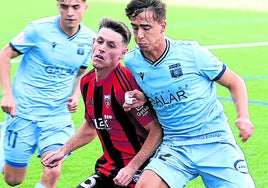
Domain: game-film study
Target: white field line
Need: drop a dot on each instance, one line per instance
(242, 45)
(250, 5)
(220, 46)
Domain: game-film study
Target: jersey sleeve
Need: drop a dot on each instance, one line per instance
(208, 64)
(25, 40)
(143, 114)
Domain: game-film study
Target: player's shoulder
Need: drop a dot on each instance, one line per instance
(182, 42)
(86, 30)
(184, 45)
(131, 53)
(123, 69)
(45, 20)
(90, 75)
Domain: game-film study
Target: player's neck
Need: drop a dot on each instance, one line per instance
(103, 73)
(69, 31)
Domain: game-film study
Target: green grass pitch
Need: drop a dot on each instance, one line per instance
(208, 26)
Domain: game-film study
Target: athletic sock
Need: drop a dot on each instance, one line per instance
(39, 185)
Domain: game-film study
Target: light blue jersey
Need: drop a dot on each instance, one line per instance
(181, 88)
(48, 68)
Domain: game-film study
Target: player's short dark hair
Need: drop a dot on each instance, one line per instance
(117, 26)
(135, 7)
(82, 0)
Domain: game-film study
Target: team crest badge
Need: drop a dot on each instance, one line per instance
(175, 70)
(107, 101)
(81, 49)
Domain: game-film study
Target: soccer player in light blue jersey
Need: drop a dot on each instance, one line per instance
(179, 78)
(56, 52)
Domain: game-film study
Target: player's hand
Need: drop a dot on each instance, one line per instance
(124, 176)
(138, 99)
(52, 159)
(8, 105)
(246, 128)
(72, 105)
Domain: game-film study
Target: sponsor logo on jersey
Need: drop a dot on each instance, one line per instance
(90, 101)
(59, 72)
(141, 75)
(241, 166)
(101, 124)
(142, 110)
(54, 44)
(168, 98)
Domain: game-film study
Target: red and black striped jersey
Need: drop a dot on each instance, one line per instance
(121, 133)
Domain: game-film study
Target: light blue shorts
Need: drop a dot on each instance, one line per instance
(220, 165)
(23, 137)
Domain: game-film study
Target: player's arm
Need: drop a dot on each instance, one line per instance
(151, 143)
(73, 101)
(8, 104)
(85, 134)
(237, 88)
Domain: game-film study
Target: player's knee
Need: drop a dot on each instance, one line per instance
(51, 174)
(13, 176)
(13, 181)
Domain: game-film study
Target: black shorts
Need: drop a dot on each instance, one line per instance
(99, 181)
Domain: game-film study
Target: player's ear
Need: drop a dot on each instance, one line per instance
(163, 25)
(124, 51)
(86, 6)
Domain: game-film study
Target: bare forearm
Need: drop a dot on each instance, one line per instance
(240, 98)
(76, 87)
(151, 143)
(84, 135)
(5, 74)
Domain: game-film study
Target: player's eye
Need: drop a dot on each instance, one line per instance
(146, 28)
(134, 27)
(76, 7)
(111, 45)
(99, 41)
(63, 6)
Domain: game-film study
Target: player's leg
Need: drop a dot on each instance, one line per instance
(19, 146)
(14, 175)
(54, 133)
(157, 182)
(223, 165)
(2, 158)
(50, 175)
(169, 167)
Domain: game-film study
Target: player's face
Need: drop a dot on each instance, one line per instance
(72, 12)
(108, 49)
(147, 31)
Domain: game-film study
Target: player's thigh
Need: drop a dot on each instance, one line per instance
(20, 142)
(225, 166)
(54, 133)
(154, 180)
(173, 165)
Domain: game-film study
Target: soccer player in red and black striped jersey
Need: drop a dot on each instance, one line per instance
(128, 138)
